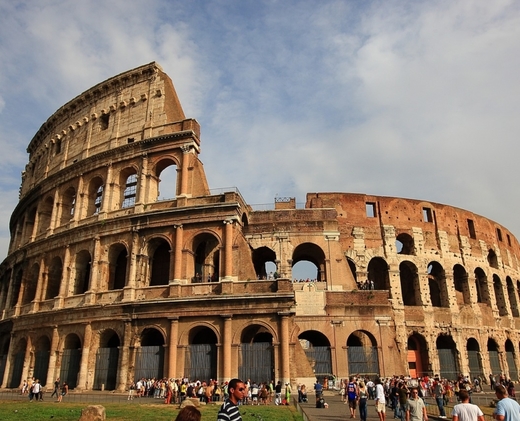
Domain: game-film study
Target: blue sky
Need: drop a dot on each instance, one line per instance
(414, 99)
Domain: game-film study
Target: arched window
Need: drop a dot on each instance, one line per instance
(95, 196)
(130, 191)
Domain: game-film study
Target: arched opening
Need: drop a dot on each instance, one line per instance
(42, 353)
(45, 214)
(5, 280)
(317, 350)
(54, 278)
(261, 256)
(107, 358)
(5, 340)
(83, 267)
(460, 281)
(201, 358)
(437, 285)
(128, 181)
(70, 360)
(159, 262)
(17, 284)
(492, 259)
(256, 354)
(499, 296)
(31, 284)
(448, 357)
(149, 360)
(511, 293)
(352, 267)
(405, 244)
(362, 354)
(312, 253)
(207, 258)
(511, 361)
(378, 277)
(305, 271)
(474, 358)
(68, 205)
(29, 225)
(95, 196)
(166, 172)
(417, 356)
(482, 287)
(117, 258)
(410, 288)
(18, 357)
(494, 359)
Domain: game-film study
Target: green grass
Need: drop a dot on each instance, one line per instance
(38, 411)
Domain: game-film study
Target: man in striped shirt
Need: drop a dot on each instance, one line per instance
(229, 409)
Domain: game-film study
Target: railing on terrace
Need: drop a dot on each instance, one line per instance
(270, 206)
(212, 192)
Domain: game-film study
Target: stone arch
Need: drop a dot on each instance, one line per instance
(42, 353)
(474, 358)
(117, 266)
(460, 281)
(31, 284)
(317, 349)
(159, 252)
(206, 247)
(201, 356)
(17, 363)
(28, 226)
(448, 357)
(45, 214)
(410, 286)
(378, 276)
(437, 285)
(17, 284)
(511, 360)
(149, 360)
(83, 268)
(70, 360)
(261, 256)
(312, 253)
(513, 300)
(256, 356)
(492, 259)
(244, 219)
(129, 183)
(68, 205)
(362, 354)
(481, 283)
(95, 193)
(55, 273)
(107, 359)
(417, 356)
(352, 267)
(493, 354)
(405, 244)
(499, 295)
(163, 188)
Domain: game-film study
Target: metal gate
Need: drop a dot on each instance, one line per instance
(16, 372)
(513, 371)
(448, 364)
(41, 366)
(106, 368)
(202, 362)
(256, 362)
(362, 360)
(494, 362)
(149, 362)
(320, 360)
(475, 365)
(70, 361)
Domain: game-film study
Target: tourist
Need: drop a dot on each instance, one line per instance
(507, 409)
(438, 393)
(36, 391)
(363, 398)
(466, 411)
(56, 390)
(352, 396)
(380, 400)
(189, 413)
(287, 393)
(415, 408)
(278, 393)
(229, 409)
(64, 391)
(402, 399)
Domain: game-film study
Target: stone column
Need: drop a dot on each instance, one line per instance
(177, 259)
(228, 249)
(8, 358)
(90, 297)
(83, 367)
(284, 347)
(184, 170)
(51, 371)
(142, 183)
(172, 347)
(29, 355)
(124, 358)
(65, 279)
(10, 290)
(79, 205)
(226, 347)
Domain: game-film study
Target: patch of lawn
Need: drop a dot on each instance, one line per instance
(39, 411)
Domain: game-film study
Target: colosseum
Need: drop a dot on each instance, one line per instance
(106, 280)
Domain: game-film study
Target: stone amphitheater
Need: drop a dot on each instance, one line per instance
(107, 281)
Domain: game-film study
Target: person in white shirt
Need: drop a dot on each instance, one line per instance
(380, 400)
(466, 411)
